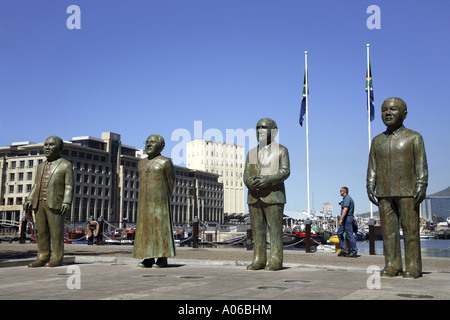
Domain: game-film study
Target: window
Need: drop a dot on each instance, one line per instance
(30, 163)
(29, 175)
(12, 176)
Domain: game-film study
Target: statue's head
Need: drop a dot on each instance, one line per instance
(52, 147)
(393, 112)
(154, 145)
(266, 130)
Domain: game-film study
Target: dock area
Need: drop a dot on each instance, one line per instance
(110, 273)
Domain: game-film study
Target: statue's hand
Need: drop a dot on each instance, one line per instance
(372, 196)
(251, 182)
(65, 208)
(419, 196)
(262, 182)
(27, 206)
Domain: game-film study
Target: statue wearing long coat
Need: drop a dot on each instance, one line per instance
(154, 233)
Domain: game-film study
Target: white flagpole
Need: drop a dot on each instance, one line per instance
(307, 132)
(368, 112)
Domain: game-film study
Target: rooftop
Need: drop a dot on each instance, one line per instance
(441, 194)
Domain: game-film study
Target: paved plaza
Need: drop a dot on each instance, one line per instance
(109, 273)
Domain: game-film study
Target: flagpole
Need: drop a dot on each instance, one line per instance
(307, 132)
(368, 112)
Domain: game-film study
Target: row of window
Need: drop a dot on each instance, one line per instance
(212, 162)
(13, 164)
(20, 188)
(20, 176)
(211, 153)
(83, 155)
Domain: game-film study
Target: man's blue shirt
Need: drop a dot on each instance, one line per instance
(348, 202)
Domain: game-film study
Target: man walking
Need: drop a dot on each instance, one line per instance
(346, 224)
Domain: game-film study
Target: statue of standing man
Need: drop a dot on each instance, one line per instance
(154, 233)
(51, 198)
(266, 168)
(397, 179)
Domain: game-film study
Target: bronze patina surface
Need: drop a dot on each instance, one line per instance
(51, 199)
(397, 179)
(266, 168)
(154, 233)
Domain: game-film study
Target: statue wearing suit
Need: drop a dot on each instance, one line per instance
(397, 179)
(51, 198)
(266, 168)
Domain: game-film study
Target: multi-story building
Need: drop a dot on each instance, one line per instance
(436, 206)
(327, 208)
(106, 182)
(226, 160)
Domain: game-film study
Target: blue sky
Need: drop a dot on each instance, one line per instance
(141, 67)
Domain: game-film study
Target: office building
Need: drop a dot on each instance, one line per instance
(106, 182)
(225, 160)
(436, 206)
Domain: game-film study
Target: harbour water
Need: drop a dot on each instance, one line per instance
(429, 248)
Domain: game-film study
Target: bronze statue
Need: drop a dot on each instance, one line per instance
(397, 179)
(266, 168)
(154, 233)
(51, 198)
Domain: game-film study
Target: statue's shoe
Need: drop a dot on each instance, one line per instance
(36, 264)
(256, 266)
(53, 263)
(390, 272)
(273, 266)
(160, 263)
(412, 274)
(146, 263)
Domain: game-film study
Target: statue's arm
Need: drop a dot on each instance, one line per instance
(168, 167)
(68, 188)
(371, 176)
(248, 178)
(421, 170)
(27, 205)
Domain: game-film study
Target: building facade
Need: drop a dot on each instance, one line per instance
(436, 207)
(225, 160)
(327, 208)
(106, 182)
